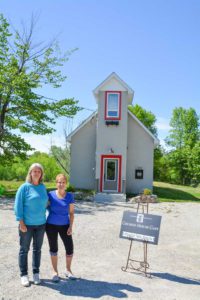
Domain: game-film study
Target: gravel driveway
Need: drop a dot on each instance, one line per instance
(100, 254)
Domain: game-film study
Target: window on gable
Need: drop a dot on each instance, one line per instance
(113, 105)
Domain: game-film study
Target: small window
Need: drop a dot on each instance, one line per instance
(113, 106)
(111, 170)
(139, 174)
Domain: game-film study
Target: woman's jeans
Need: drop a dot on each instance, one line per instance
(35, 232)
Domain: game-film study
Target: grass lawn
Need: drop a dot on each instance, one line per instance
(12, 186)
(167, 192)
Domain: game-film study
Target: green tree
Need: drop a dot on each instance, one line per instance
(158, 155)
(177, 160)
(18, 169)
(51, 168)
(184, 138)
(62, 157)
(191, 128)
(24, 68)
(184, 128)
(146, 117)
(194, 163)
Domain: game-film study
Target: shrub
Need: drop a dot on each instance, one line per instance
(2, 189)
(71, 188)
(147, 192)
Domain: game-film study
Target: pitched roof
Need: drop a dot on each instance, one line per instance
(68, 139)
(113, 75)
(156, 141)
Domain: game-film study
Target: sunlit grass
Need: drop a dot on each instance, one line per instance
(166, 192)
(12, 186)
(176, 193)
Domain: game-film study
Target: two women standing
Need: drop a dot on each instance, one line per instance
(30, 209)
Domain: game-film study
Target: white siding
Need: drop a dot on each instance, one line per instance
(111, 136)
(139, 154)
(83, 148)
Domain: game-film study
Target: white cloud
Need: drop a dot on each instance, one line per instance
(162, 143)
(163, 123)
(43, 143)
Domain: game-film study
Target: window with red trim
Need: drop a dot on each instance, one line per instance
(113, 106)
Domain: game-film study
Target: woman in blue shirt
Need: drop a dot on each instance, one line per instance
(30, 210)
(60, 221)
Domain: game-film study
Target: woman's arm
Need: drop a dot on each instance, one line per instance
(19, 209)
(71, 218)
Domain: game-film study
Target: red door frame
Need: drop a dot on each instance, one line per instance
(119, 157)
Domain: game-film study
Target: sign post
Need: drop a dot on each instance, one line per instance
(143, 228)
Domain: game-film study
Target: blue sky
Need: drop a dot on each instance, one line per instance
(154, 46)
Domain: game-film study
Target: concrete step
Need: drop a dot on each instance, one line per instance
(108, 197)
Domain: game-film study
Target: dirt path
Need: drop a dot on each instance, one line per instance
(100, 254)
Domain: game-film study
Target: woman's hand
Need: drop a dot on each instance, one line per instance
(22, 227)
(69, 231)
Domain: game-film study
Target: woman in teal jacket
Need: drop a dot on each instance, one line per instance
(30, 210)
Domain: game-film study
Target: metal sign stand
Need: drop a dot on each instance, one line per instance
(143, 265)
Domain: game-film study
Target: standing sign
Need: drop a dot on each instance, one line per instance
(140, 227)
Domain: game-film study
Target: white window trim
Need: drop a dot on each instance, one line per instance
(112, 93)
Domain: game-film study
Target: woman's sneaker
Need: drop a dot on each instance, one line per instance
(69, 275)
(36, 278)
(25, 280)
(55, 278)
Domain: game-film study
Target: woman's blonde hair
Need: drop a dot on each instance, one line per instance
(35, 165)
(61, 176)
